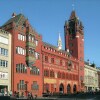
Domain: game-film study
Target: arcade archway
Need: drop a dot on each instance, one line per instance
(68, 88)
(74, 88)
(61, 88)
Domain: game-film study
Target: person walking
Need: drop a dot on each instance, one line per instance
(10, 93)
(5, 93)
(31, 95)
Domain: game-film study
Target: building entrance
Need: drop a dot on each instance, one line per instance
(74, 89)
(68, 88)
(61, 88)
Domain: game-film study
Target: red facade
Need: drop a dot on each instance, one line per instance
(60, 70)
(64, 70)
(39, 67)
(74, 42)
(26, 54)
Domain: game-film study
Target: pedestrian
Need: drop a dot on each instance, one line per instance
(10, 93)
(31, 95)
(17, 94)
(22, 94)
(5, 93)
(28, 95)
(35, 96)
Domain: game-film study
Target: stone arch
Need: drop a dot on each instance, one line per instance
(61, 88)
(68, 88)
(74, 88)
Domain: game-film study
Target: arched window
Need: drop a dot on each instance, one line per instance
(51, 73)
(59, 75)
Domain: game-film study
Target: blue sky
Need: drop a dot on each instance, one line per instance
(48, 17)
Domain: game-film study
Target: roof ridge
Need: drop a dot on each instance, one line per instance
(13, 19)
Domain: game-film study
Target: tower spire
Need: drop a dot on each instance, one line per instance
(73, 5)
(59, 42)
(73, 13)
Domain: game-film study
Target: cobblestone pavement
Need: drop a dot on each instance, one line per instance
(74, 99)
(93, 98)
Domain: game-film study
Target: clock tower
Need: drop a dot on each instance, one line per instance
(74, 43)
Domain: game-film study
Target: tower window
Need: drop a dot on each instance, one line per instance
(72, 27)
(70, 38)
(71, 44)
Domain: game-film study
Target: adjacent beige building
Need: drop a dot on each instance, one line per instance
(98, 69)
(90, 77)
(5, 60)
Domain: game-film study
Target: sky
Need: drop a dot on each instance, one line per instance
(47, 17)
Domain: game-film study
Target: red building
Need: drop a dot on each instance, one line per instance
(26, 56)
(41, 67)
(64, 70)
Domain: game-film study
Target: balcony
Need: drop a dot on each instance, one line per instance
(30, 58)
(31, 44)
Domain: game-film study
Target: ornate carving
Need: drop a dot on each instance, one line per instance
(69, 65)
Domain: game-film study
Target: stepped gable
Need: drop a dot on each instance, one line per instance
(20, 20)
